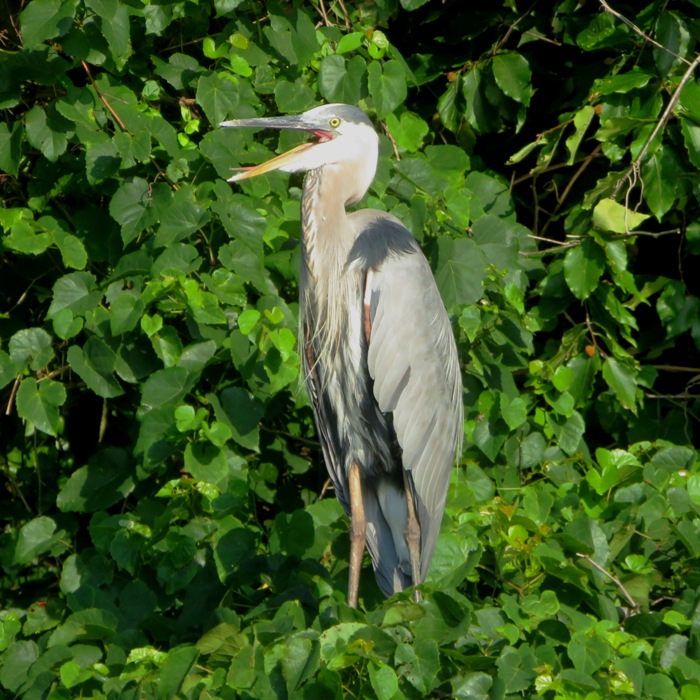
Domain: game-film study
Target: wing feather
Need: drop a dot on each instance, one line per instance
(413, 361)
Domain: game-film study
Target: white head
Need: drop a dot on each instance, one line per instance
(345, 139)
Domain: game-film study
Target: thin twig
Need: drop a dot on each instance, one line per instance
(510, 31)
(103, 421)
(685, 396)
(675, 368)
(546, 240)
(11, 400)
(637, 30)
(594, 340)
(536, 173)
(634, 167)
(535, 204)
(345, 14)
(648, 234)
(393, 141)
(323, 13)
(614, 579)
(560, 200)
(103, 98)
(541, 37)
(15, 486)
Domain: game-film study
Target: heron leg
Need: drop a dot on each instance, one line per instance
(357, 532)
(412, 537)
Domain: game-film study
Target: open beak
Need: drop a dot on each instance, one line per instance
(297, 122)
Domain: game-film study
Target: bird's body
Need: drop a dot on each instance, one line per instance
(380, 359)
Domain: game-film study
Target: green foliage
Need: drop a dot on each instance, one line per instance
(166, 531)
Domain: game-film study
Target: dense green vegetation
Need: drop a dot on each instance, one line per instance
(166, 533)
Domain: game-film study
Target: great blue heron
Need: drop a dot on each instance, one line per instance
(380, 358)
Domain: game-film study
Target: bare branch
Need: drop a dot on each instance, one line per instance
(637, 30)
(561, 199)
(633, 170)
(105, 102)
(614, 579)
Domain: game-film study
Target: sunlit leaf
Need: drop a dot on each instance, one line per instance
(38, 403)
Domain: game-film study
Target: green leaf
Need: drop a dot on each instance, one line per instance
(65, 325)
(174, 670)
(167, 345)
(72, 249)
(181, 218)
(17, 661)
(479, 112)
(623, 381)
(659, 172)
(293, 98)
(242, 413)
(411, 5)
(387, 86)
(304, 39)
(125, 312)
(45, 19)
(102, 160)
(513, 76)
(489, 436)
(114, 24)
(131, 206)
(342, 81)
(691, 137)
(72, 674)
(299, 662)
(217, 96)
(10, 145)
(34, 538)
(608, 215)
(582, 121)
(461, 271)
(30, 347)
(673, 36)
(248, 320)
(514, 412)
(421, 672)
(165, 386)
(622, 82)
(95, 363)
(408, 131)
(350, 42)
(233, 543)
(447, 106)
(38, 403)
(104, 481)
(587, 653)
(24, 239)
(47, 133)
(8, 369)
(384, 680)
(206, 462)
(583, 267)
(568, 430)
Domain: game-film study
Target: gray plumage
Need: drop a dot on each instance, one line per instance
(380, 358)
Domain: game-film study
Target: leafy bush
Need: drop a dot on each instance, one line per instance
(166, 527)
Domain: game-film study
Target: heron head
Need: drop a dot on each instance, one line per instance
(344, 138)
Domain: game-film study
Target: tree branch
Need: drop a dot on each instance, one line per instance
(614, 579)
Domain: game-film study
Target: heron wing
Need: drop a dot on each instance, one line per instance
(412, 358)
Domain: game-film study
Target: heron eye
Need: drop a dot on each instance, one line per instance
(334, 121)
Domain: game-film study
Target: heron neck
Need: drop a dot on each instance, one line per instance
(326, 234)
